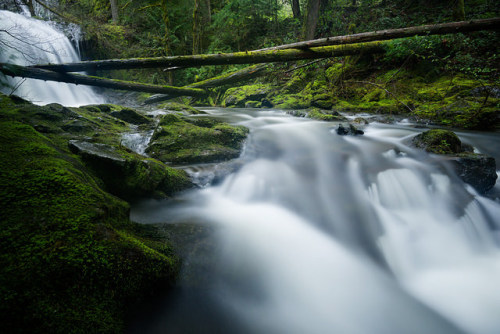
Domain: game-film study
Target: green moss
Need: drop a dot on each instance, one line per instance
(175, 106)
(187, 140)
(438, 141)
(70, 259)
(324, 115)
(295, 101)
(237, 96)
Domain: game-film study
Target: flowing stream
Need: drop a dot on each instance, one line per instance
(28, 41)
(308, 231)
(321, 233)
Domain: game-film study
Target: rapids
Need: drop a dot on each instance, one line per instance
(28, 41)
(321, 233)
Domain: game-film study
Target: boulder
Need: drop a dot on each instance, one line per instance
(350, 131)
(130, 116)
(478, 170)
(128, 175)
(184, 140)
(438, 141)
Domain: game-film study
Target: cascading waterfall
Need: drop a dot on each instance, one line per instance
(320, 233)
(28, 41)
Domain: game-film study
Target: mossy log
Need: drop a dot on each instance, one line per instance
(79, 79)
(246, 57)
(224, 79)
(381, 35)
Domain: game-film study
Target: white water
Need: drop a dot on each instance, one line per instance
(319, 233)
(28, 41)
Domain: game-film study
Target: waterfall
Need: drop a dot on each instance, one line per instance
(28, 41)
(321, 233)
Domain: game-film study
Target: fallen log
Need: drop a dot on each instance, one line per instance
(225, 79)
(381, 35)
(247, 57)
(79, 79)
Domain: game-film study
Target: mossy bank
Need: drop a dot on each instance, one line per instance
(70, 259)
(365, 84)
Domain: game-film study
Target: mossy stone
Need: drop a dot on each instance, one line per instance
(438, 141)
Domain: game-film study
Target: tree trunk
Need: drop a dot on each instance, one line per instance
(296, 9)
(196, 27)
(114, 10)
(247, 57)
(35, 73)
(311, 19)
(431, 29)
(458, 10)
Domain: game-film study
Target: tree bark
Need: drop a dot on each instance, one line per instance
(296, 9)
(196, 27)
(431, 29)
(114, 10)
(35, 73)
(311, 19)
(248, 57)
(458, 10)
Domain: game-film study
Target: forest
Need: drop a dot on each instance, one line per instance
(249, 166)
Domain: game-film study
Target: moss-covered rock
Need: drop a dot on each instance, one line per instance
(130, 116)
(129, 175)
(478, 170)
(70, 260)
(238, 96)
(438, 141)
(183, 108)
(184, 140)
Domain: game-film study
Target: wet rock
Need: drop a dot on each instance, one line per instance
(183, 140)
(478, 170)
(130, 116)
(77, 126)
(128, 175)
(361, 121)
(438, 141)
(349, 131)
(491, 91)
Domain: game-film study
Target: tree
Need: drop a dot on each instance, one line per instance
(296, 9)
(196, 27)
(311, 19)
(114, 10)
(458, 10)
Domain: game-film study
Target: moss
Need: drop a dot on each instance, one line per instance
(185, 109)
(375, 95)
(181, 140)
(70, 259)
(325, 115)
(238, 96)
(295, 101)
(438, 141)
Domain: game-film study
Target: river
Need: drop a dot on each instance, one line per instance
(319, 233)
(309, 231)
